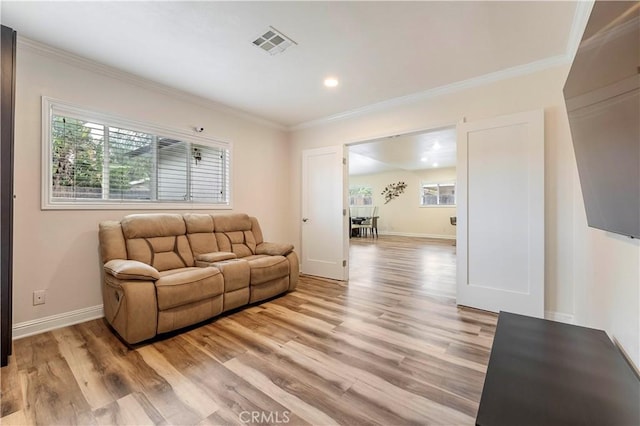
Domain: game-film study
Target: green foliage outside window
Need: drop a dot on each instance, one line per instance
(360, 195)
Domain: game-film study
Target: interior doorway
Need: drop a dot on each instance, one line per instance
(409, 181)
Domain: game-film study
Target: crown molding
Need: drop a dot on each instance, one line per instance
(482, 80)
(600, 38)
(108, 71)
(580, 19)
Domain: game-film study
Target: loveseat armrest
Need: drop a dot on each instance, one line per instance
(216, 256)
(274, 249)
(131, 270)
(131, 307)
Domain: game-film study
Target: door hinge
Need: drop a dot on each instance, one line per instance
(344, 263)
(344, 212)
(344, 160)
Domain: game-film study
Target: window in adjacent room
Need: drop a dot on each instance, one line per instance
(98, 161)
(438, 194)
(360, 195)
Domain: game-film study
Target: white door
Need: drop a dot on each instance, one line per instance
(324, 220)
(500, 229)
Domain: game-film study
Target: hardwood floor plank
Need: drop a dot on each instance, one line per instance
(218, 346)
(257, 378)
(35, 350)
(127, 411)
(16, 418)
(462, 381)
(189, 393)
(381, 374)
(390, 347)
(10, 395)
(410, 406)
(232, 393)
(52, 395)
(221, 417)
(92, 385)
(410, 343)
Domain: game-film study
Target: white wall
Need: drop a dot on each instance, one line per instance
(607, 282)
(582, 266)
(404, 215)
(58, 250)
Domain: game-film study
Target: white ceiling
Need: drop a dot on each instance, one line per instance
(414, 151)
(378, 50)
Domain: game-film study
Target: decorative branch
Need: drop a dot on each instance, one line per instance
(393, 190)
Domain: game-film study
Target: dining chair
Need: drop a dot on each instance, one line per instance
(367, 221)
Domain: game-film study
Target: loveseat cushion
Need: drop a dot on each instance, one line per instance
(158, 240)
(234, 233)
(232, 222)
(163, 253)
(200, 233)
(131, 270)
(267, 268)
(153, 225)
(179, 287)
(241, 243)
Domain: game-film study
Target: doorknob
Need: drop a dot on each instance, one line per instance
(305, 219)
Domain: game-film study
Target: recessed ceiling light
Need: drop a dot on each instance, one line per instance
(424, 159)
(436, 145)
(331, 82)
(435, 164)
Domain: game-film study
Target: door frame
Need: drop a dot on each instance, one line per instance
(431, 128)
(8, 83)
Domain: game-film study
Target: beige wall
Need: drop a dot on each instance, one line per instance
(590, 277)
(58, 250)
(403, 215)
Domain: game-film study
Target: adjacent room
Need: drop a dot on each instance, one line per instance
(320, 213)
(402, 194)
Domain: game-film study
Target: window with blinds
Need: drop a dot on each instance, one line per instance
(438, 194)
(101, 162)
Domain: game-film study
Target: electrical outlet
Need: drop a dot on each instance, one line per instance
(39, 297)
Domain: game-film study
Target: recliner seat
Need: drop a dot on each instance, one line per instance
(164, 271)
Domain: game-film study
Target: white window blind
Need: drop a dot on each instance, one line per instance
(97, 161)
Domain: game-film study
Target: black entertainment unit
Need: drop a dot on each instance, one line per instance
(543, 372)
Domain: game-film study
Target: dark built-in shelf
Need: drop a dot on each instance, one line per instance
(548, 373)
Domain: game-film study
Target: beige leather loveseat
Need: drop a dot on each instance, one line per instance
(163, 271)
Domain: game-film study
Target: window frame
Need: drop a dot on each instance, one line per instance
(360, 186)
(51, 106)
(438, 184)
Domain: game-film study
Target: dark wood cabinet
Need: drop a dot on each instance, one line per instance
(7, 108)
(548, 373)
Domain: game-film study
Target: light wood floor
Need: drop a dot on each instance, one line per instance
(387, 348)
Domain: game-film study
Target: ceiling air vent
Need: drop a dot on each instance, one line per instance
(273, 41)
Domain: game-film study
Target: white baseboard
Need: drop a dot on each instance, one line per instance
(559, 316)
(40, 325)
(411, 234)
